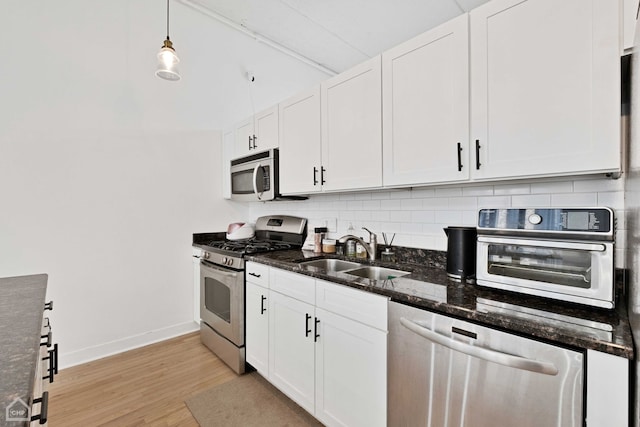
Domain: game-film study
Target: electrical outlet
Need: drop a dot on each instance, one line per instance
(331, 224)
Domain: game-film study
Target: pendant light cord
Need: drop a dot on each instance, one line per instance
(167, 19)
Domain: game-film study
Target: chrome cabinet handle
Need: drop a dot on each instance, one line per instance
(315, 176)
(546, 368)
(255, 138)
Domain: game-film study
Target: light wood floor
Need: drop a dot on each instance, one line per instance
(141, 387)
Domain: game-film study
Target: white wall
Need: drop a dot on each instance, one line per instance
(106, 170)
(418, 215)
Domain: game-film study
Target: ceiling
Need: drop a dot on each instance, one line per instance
(336, 34)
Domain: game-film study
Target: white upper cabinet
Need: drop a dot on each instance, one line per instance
(630, 16)
(425, 83)
(351, 128)
(545, 88)
(228, 139)
(257, 133)
(300, 151)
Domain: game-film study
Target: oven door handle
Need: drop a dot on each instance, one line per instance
(592, 247)
(218, 270)
(540, 367)
(256, 190)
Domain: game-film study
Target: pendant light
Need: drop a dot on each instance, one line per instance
(167, 58)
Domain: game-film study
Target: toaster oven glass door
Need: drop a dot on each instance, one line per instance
(566, 270)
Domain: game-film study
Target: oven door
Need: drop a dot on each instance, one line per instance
(222, 301)
(572, 271)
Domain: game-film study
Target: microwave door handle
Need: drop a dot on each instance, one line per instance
(592, 247)
(546, 368)
(257, 191)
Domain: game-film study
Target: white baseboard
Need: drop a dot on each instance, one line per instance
(114, 347)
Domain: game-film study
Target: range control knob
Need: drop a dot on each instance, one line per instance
(535, 219)
(224, 260)
(205, 255)
(229, 261)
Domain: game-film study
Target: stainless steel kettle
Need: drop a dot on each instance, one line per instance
(461, 253)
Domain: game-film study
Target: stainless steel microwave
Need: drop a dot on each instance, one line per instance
(255, 178)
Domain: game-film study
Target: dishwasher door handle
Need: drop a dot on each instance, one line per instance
(546, 368)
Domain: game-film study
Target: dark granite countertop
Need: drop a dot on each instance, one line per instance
(429, 287)
(21, 304)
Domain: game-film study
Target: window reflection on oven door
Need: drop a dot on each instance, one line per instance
(221, 301)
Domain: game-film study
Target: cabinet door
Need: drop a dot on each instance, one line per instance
(545, 87)
(629, 20)
(266, 129)
(351, 372)
(257, 328)
(228, 140)
(291, 348)
(300, 152)
(352, 128)
(244, 138)
(425, 83)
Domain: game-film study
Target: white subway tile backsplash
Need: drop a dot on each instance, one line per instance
(423, 216)
(423, 193)
(494, 202)
(449, 217)
(595, 185)
(449, 192)
(613, 199)
(461, 203)
(411, 227)
(535, 200)
(363, 196)
(400, 194)
(485, 190)
(371, 205)
(418, 216)
(552, 187)
(437, 203)
(400, 216)
(574, 199)
(354, 205)
(411, 204)
(508, 189)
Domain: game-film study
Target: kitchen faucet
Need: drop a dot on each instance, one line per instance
(371, 247)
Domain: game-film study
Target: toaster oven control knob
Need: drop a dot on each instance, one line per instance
(535, 219)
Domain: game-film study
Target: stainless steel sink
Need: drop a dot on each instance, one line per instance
(330, 264)
(377, 273)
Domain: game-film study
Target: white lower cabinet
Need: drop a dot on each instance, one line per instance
(351, 374)
(324, 345)
(257, 327)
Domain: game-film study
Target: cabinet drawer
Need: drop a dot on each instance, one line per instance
(293, 285)
(258, 274)
(365, 307)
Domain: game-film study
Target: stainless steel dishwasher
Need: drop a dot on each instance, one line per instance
(445, 372)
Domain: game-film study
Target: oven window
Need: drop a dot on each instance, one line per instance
(242, 181)
(567, 267)
(217, 298)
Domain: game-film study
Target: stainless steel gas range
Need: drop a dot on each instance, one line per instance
(222, 283)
